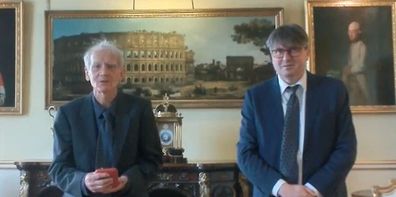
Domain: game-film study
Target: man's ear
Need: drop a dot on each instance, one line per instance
(86, 74)
(308, 51)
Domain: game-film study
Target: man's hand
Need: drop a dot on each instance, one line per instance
(289, 190)
(122, 180)
(98, 182)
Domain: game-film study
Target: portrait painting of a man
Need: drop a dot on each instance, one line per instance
(10, 57)
(355, 44)
(7, 56)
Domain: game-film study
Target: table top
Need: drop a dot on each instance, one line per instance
(27, 165)
(362, 193)
(205, 165)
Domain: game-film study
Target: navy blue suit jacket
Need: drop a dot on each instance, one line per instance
(329, 145)
(137, 146)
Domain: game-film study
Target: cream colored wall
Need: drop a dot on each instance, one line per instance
(208, 134)
(28, 136)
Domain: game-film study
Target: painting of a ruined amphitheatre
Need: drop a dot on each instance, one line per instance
(190, 59)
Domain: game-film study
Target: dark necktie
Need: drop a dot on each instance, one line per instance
(290, 138)
(104, 155)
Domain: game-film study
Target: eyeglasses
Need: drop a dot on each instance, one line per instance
(280, 53)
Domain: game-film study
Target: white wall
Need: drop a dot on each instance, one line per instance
(9, 179)
(208, 134)
(366, 174)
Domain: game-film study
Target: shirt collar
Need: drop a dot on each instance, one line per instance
(302, 82)
(99, 109)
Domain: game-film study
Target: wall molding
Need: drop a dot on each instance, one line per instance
(7, 165)
(375, 165)
(359, 165)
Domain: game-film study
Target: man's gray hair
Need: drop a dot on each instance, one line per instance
(103, 45)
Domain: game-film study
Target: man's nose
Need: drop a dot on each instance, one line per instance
(287, 55)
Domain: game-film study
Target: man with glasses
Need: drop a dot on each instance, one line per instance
(296, 137)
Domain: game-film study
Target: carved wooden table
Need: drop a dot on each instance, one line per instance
(33, 177)
(200, 180)
(187, 180)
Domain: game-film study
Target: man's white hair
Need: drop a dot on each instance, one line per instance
(103, 45)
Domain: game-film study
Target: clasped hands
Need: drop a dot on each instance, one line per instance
(290, 190)
(101, 182)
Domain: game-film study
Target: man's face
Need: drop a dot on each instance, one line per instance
(105, 73)
(289, 62)
(353, 31)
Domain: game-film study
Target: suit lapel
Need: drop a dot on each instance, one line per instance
(122, 121)
(88, 128)
(311, 106)
(276, 102)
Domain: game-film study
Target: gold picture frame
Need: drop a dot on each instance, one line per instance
(11, 58)
(183, 53)
(355, 41)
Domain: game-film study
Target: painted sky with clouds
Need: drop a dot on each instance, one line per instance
(212, 42)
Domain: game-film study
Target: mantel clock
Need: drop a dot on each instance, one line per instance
(169, 123)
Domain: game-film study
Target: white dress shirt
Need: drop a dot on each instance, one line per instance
(301, 94)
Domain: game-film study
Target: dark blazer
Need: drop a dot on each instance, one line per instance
(137, 146)
(329, 145)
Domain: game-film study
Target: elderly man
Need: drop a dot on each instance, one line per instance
(105, 129)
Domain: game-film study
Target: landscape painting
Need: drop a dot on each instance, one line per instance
(199, 58)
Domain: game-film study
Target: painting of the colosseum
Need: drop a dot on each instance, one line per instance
(200, 59)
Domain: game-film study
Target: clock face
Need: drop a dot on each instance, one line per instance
(166, 135)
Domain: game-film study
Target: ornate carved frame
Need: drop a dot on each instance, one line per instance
(176, 19)
(11, 56)
(327, 26)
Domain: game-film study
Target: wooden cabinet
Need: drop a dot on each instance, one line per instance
(185, 180)
(33, 177)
